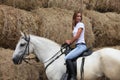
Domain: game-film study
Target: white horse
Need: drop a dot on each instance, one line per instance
(102, 62)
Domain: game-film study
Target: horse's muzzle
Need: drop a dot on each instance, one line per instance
(16, 60)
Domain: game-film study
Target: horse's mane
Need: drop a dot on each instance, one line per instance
(43, 39)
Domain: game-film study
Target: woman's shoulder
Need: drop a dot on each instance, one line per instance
(80, 24)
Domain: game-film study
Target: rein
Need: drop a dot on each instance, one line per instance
(53, 59)
(64, 46)
(35, 58)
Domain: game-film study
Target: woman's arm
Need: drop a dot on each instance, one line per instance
(75, 37)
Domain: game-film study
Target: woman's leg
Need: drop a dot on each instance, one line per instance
(69, 64)
(76, 52)
(70, 69)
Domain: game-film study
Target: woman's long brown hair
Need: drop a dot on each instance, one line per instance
(74, 17)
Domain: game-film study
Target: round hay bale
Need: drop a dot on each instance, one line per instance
(56, 25)
(24, 71)
(105, 27)
(25, 4)
(52, 23)
(89, 35)
(12, 21)
(67, 4)
(104, 5)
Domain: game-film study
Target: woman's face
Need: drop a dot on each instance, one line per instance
(78, 17)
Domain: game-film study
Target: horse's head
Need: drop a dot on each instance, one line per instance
(23, 48)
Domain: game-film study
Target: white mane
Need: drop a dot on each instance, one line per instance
(40, 41)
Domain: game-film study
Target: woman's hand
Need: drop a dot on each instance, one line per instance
(68, 42)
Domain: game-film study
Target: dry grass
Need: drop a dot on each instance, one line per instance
(105, 27)
(24, 71)
(89, 35)
(56, 25)
(25, 4)
(52, 23)
(66, 4)
(98, 5)
(104, 5)
(12, 22)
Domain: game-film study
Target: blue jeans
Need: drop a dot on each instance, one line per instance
(76, 51)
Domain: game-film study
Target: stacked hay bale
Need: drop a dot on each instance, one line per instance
(105, 27)
(103, 5)
(67, 4)
(25, 4)
(89, 35)
(52, 23)
(56, 25)
(12, 22)
(9, 71)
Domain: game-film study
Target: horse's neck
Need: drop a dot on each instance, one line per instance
(44, 48)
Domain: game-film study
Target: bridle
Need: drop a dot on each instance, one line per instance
(26, 47)
(27, 50)
(56, 56)
(52, 59)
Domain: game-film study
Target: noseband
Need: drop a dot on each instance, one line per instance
(26, 48)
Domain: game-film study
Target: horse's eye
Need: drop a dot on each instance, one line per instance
(22, 45)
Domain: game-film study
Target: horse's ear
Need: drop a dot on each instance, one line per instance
(22, 34)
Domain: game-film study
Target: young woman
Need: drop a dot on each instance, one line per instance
(78, 37)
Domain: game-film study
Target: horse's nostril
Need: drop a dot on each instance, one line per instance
(15, 61)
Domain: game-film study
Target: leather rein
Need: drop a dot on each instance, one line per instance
(64, 46)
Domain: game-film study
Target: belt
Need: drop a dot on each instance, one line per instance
(80, 44)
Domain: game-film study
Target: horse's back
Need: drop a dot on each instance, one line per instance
(110, 62)
(110, 52)
(91, 67)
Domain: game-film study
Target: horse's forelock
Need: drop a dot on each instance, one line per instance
(26, 37)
